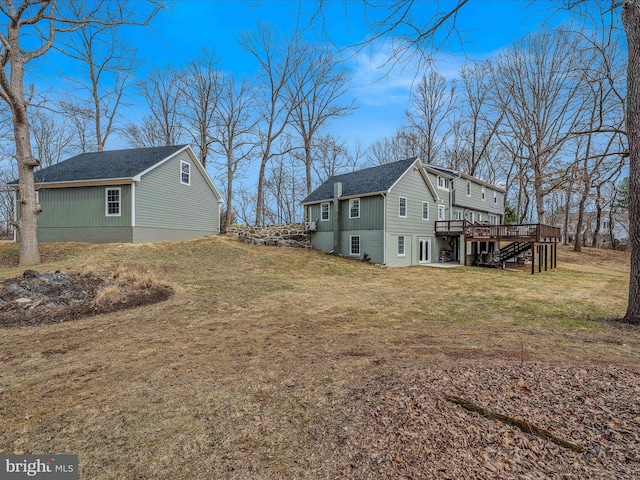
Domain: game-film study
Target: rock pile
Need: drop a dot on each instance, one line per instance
(288, 235)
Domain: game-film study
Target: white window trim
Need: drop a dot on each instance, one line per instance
(495, 197)
(459, 215)
(484, 194)
(404, 246)
(350, 203)
(472, 217)
(351, 237)
(443, 209)
(493, 219)
(428, 207)
(328, 212)
(479, 217)
(406, 205)
(445, 181)
(182, 162)
(106, 202)
(468, 188)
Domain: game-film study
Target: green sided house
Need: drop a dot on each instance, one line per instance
(135, 195)
(403, 213)
(383, 213)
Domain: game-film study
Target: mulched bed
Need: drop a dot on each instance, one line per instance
(40, 299)
(405, 427)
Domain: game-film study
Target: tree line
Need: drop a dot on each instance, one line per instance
(545, 118)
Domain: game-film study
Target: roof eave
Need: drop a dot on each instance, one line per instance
(82, 183)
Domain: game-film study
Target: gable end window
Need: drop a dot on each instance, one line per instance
(324, 212)
(425, 210)
(468, 188)
(354, 245)
(185, 173)
(403, 207)
(495, 197)
(484, 194)
(354, 208)
(113, 200)
(401, 246)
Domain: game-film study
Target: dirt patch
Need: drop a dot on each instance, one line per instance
(40, 299)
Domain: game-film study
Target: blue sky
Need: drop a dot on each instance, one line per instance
(180, 34)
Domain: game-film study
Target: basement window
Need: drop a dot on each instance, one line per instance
(354, 241)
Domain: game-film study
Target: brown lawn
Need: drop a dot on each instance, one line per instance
(272, 363)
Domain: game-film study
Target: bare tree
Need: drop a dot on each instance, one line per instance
(200, 88)
(109, 64)
(286, 189)
(433, 102)
(29, 30)
(475, 131)
(234, 134)
(316, 88)
(52, 138)
(631, 22)
(162, 125)
(538, 87)
(278, 61)
(333, 157)
(403, 143)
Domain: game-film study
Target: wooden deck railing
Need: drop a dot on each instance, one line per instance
(533, 232)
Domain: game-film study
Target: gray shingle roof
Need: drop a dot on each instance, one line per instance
(105, 165)
(362, 182)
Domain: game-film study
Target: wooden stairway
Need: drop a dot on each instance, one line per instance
(513, 250)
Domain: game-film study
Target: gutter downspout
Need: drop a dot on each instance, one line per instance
(384, 229)
(337, 234)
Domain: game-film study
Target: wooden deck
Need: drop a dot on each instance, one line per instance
(532, 232)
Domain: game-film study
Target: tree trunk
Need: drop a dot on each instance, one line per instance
(631, 22)
(29, 208)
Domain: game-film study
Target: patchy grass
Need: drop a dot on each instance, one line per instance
(241, 373)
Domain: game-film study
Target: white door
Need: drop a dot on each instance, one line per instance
(424, 247)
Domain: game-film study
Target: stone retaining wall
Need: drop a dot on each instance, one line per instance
(288, 235)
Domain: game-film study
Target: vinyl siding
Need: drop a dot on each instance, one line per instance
(412, 187)
(371, 243)
(322, 241)
(82, 207)
(314, 216)
(474, 202)
(86, 234)
(163, 202)
(148, 234)
(371, 214)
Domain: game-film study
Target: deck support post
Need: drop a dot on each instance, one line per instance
(533, 258)
(540, 252)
